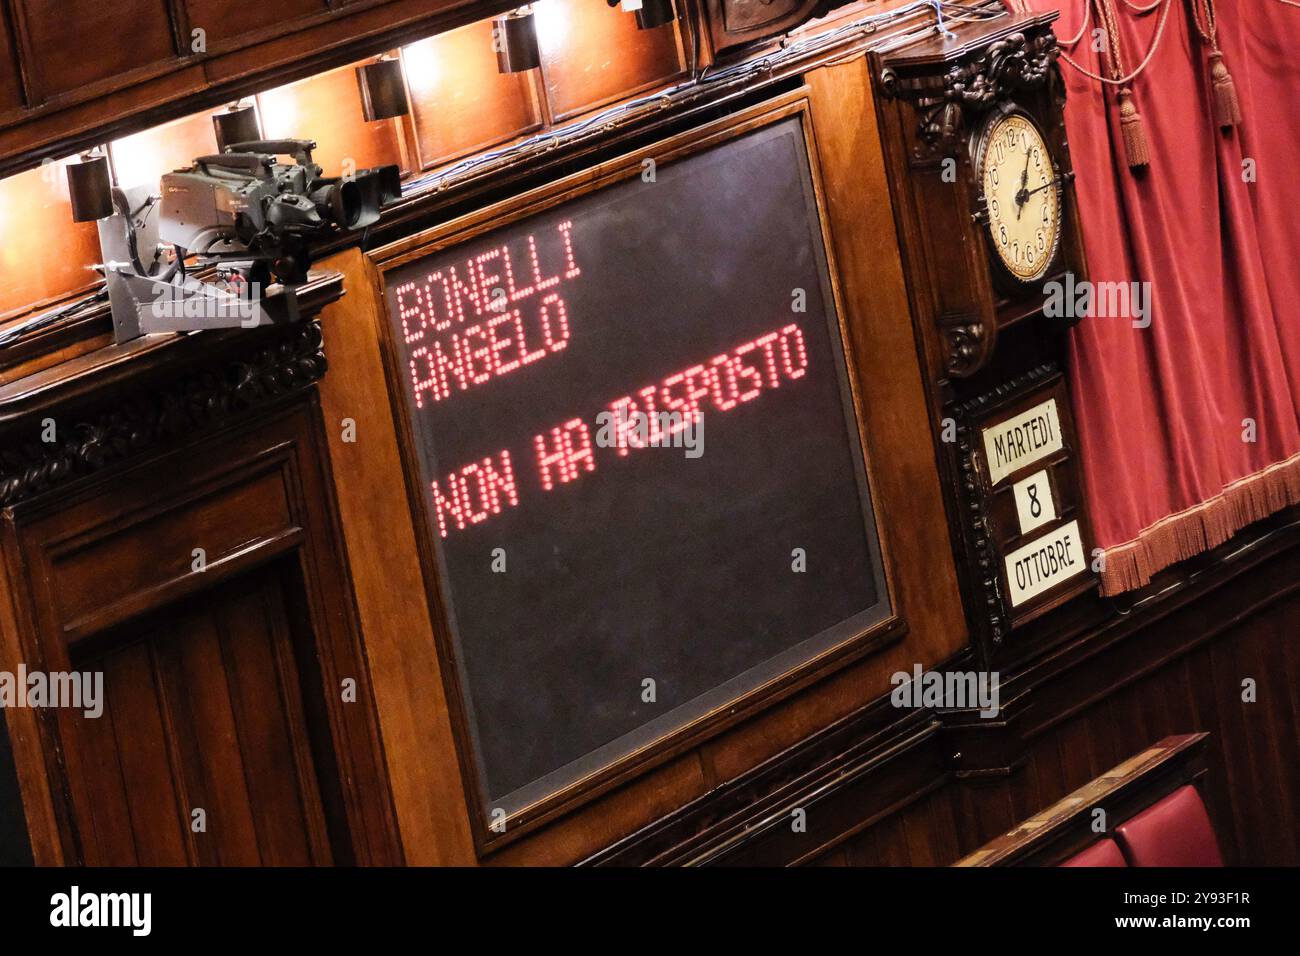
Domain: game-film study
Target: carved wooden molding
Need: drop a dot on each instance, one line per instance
(968, 346)
(1025, 60)
(127, 422)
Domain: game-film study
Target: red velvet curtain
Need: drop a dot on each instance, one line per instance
(1189, 427)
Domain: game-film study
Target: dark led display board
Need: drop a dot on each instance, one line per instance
(638, 458)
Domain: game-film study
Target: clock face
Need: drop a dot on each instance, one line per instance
(1021, 194)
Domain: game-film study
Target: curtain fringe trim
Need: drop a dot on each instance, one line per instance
(1198, 529)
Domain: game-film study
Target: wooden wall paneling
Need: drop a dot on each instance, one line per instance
(15, 844)
(143, 157)
(44, 255)
(223, 682)
(885, 844)
(225, 21)
(156, 804)
(105, 831)
(144, 728)
(266, 704)
(1284, 719)
(346, 33)
(55, 130)
(1048, 770)
(34, 766)
(200, 714)
(735, 23)
(838, 857)
(327, 108)
(74, 47)
(1224, 688)
(171, 87)
(593, 54)
(328, 632)
(1026, 796)
(196, 684)
(1267, 739)
(1255, 757)
(460, 102)
(929, 830)
(855, 177)
(1222, 798)
(428, 795)
(12, 68)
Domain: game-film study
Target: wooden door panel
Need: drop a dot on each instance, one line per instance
(105, 818)
(194, 676)
(142, 744)
(221, 680)
(203, 710)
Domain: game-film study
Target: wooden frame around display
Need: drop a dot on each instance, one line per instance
(463, 229)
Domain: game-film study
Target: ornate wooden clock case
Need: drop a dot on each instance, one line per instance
(959, 117)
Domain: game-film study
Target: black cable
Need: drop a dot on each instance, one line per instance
(37, 322)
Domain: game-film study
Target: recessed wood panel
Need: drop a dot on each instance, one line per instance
(224, 20)
(91, 578)
(43, 253)
(460, 102)
(327, 108)
(11, 87)
(592, 53)
(79, 42)
(202, 712)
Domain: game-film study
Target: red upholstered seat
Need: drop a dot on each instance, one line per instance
(1174, 832)
(1102, 853)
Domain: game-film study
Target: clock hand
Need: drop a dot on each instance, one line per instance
(1022, 195)
(1036, 189)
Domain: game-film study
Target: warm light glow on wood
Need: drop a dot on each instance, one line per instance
(43, 253)
(460, 101)
(593, 54)
(327, 108)
(142, 158)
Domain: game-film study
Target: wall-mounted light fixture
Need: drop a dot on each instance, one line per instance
(514, 35)
(649, 13)
(654, 13)
(383, 91)
(89, 188)
(238, 124)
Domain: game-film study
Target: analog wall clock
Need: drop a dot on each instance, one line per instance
(1021, 195)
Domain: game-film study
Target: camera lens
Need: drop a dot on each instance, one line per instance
(346, 202)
